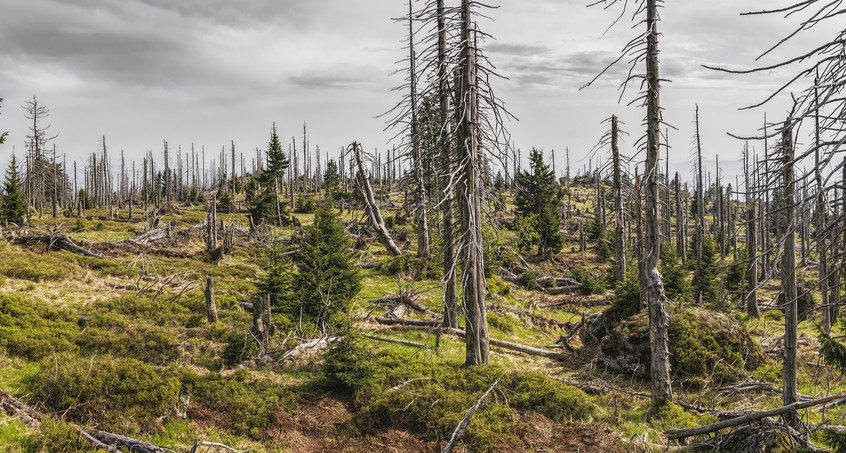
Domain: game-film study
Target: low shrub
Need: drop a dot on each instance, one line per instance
(57, 436)
(120, 394)
(32, 329)
(248, 404)
(34, 267)
(392, 391)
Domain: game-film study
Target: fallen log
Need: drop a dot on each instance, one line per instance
(424, 323)
(134, 445)
(676, 434)
(513, 346)
(59, 241)
(16, 408)
(396, 341)
(373, 212)
(219, 446)
(408, 322)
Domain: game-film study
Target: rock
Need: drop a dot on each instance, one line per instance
(703, 344)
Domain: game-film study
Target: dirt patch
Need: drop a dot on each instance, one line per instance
(538, 433)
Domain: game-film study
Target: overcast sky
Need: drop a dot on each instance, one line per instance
(210, 71)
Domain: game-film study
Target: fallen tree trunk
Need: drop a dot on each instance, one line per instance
(408, 322)
(134, 445)
(100, 440)
(416, 324)
(676, 434)
(373, 211)
(513, 346)
(396, 341)
(59, 241)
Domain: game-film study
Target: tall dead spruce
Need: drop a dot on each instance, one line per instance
(471, 136)
(644, 49)
(406, 114)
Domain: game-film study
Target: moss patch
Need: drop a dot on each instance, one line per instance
(703, 344)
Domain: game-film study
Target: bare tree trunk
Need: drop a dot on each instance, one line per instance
(700, 205)
(447, 205)
(789, 276)
(211, 304)
(681, 217)
(262, 327)
(420, 189)
(751, 246)
(211, 227)
(469, 198)
(662, 391)
(619, 240)
(372, 208)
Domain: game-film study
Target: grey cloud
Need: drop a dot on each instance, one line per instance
(517, 49)
(327, 80)
(571, 70)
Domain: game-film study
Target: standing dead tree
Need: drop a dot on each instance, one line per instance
(612, 139)
(644, 50)
(373, 211)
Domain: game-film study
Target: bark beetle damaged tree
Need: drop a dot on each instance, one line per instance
(644, 49)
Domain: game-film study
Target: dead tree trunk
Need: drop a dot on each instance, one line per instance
(700, 205)
(372, 208)
(211, 304)
(789, 275)
(211, 227)
(619, 240)
(751, 246)
(662, 391)
(447, 204)
(262, 327)
(681, 216)
(469, 192)
(420, 189)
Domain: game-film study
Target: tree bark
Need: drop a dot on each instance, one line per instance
(447, 204)
(654, 287)
(420, 189)
(619, 239)
(700, 205)
(477, 347)
(789, 275)
(211, 304)
(751, 247)
(372, 208)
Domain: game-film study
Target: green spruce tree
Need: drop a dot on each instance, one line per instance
(326, 278)
(13, 201)
(331, 179)
(266, 206)
(539, 194)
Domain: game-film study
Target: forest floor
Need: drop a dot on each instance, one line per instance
(111, 343)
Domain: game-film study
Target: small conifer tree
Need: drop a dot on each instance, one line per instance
(331, 179)
(326, 279)
(13, 202)
(538, 194)
(266, 207)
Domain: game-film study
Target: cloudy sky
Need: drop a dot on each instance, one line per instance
(210, 71)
